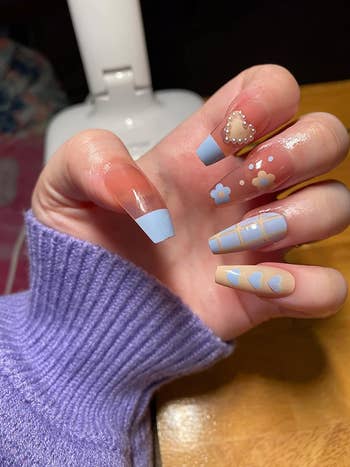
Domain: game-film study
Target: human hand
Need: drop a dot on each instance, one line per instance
(91, 179)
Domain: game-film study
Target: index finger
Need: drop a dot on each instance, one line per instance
(264, 98)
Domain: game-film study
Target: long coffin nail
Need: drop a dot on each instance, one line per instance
(262, 280)
(245, 120)
(263, 171)
(253, 232)
(131, 189)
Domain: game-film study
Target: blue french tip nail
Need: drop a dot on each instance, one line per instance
(209, 151)
(253, 232)
(157, 225)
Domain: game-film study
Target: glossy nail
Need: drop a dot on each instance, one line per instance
(245, 120)
(262, 172)
(253, 232)
(132, 190)
(262, 280)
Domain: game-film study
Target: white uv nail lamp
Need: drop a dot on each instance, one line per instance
(121, 99)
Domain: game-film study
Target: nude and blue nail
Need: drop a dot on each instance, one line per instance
(253, 232)
(157, 225)
(262, 280)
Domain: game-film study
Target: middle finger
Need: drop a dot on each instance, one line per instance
(312, 146)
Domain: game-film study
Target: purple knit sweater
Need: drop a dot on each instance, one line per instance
(82, 352)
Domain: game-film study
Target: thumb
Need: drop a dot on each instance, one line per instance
(94, 167)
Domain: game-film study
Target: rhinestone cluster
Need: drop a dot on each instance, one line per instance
(245, 125)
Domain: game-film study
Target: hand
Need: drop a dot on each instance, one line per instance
(75, 194)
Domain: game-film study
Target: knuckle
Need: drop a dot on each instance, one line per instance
(331, 132)
(89, 148)
(90, 138)
(334, 301)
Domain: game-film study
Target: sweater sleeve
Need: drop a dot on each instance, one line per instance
(82, 352)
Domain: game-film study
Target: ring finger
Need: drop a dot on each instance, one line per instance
(312, 213)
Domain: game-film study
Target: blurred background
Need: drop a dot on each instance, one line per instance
(200, 44)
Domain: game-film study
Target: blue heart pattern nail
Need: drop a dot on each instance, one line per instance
(263, 280)
(233, 277)
(252, 232)
(275, 283)
(255, 279)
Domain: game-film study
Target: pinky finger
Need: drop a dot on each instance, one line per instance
(294, 290)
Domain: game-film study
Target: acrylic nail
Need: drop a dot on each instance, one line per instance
(262, 280)
(253, 232)
(263, 171)
(245, 120)
(132, 190)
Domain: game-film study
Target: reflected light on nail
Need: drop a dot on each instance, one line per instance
(293, 140)
(140, 201)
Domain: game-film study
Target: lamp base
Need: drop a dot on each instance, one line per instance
(139, 128)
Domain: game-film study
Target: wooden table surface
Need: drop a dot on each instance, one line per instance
(283, 398)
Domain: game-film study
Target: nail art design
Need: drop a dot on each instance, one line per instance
(263, 280)
(221, 194)
(263, 180)
(131, 189)
(245, 120)
(156, 224)
(253, 232)
(262, 172)
(255, 279)
(275, 284)
(237, 130)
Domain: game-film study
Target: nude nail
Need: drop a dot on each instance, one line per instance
(262, 280)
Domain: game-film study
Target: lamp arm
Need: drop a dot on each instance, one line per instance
(111, 38)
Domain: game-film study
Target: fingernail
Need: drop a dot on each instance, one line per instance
(244, 121)
(263, 171)
(252, 232)
(262, 280)
(157, 225)
(131, 189)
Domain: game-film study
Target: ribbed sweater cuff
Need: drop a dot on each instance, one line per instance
(100, 334)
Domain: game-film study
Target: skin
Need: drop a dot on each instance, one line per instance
(71, 196)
